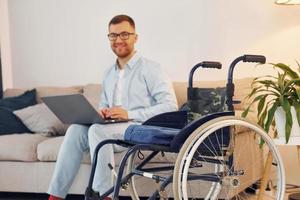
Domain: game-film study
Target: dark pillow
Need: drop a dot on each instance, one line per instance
(28, 98)
(9, 123)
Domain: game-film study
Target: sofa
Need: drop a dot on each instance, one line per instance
(27, 160)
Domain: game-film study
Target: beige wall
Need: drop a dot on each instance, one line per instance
(291, 164)
(5, 45)
(56, 42)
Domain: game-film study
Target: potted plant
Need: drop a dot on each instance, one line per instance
(277, 97)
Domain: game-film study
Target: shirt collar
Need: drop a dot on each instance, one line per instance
(132, 62)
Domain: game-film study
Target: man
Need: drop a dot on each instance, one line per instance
(133, 88)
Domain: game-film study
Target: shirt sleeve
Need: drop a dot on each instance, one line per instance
(103, 96)
(161, 91)
(103, 100)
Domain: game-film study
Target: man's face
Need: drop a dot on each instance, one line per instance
(122, 47)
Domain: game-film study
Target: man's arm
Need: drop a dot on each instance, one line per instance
(103, 100)
(107, 76)
(103, 104)
(162, 92)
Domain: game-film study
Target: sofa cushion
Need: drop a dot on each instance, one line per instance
(45, 91)
(40, 119)
(47, 150)
(92, 93)
(20, 147)
(56, 91)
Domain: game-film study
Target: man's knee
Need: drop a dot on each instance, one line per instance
(97, 131)
(76, 133)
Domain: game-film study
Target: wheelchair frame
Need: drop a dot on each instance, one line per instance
(186, 134)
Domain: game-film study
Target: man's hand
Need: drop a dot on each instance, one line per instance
(118, 113)
(104, 112)
(114, 113)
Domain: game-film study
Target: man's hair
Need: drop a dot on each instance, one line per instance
(121, 18)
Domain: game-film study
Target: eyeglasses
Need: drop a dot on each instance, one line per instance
(123, 36)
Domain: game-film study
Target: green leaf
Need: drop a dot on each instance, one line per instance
(267, 83)
(266, 91)
(290, 85)
(245, 112)
(289, 122)
(254, 91)
(297, 90)
(262, 117)
(270, 117)
(258, 98)
(271, 84)
(286, 69)
(261, 105)
(261, 143)
(298, 66)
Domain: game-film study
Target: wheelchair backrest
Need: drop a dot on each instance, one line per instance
(204, 101)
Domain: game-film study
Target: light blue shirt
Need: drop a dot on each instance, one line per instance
(146, 90)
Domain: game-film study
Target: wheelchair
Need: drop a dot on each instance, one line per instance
(214, 155)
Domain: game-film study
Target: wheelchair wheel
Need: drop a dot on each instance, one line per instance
(132, 181)
(224, 157)
(136, 181)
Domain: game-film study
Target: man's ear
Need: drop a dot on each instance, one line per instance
(136, 37)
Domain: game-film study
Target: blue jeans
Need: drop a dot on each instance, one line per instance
(80, 139)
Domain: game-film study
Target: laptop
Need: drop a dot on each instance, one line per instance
(75, 109)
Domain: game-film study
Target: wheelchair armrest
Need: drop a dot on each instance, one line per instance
(177, 119)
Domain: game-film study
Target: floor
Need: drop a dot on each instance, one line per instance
(25, 196)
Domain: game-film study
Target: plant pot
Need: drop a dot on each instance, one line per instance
(280, 123)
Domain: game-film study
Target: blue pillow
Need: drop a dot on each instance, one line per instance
(28, 98)
(10, 123)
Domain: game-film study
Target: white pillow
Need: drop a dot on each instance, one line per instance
(40, 119)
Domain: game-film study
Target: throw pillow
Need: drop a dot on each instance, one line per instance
(40, 119)
(28, 98)
(10, 124)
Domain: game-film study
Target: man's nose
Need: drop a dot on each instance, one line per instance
(118, 39)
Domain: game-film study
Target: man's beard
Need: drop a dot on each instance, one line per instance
(126, 51)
